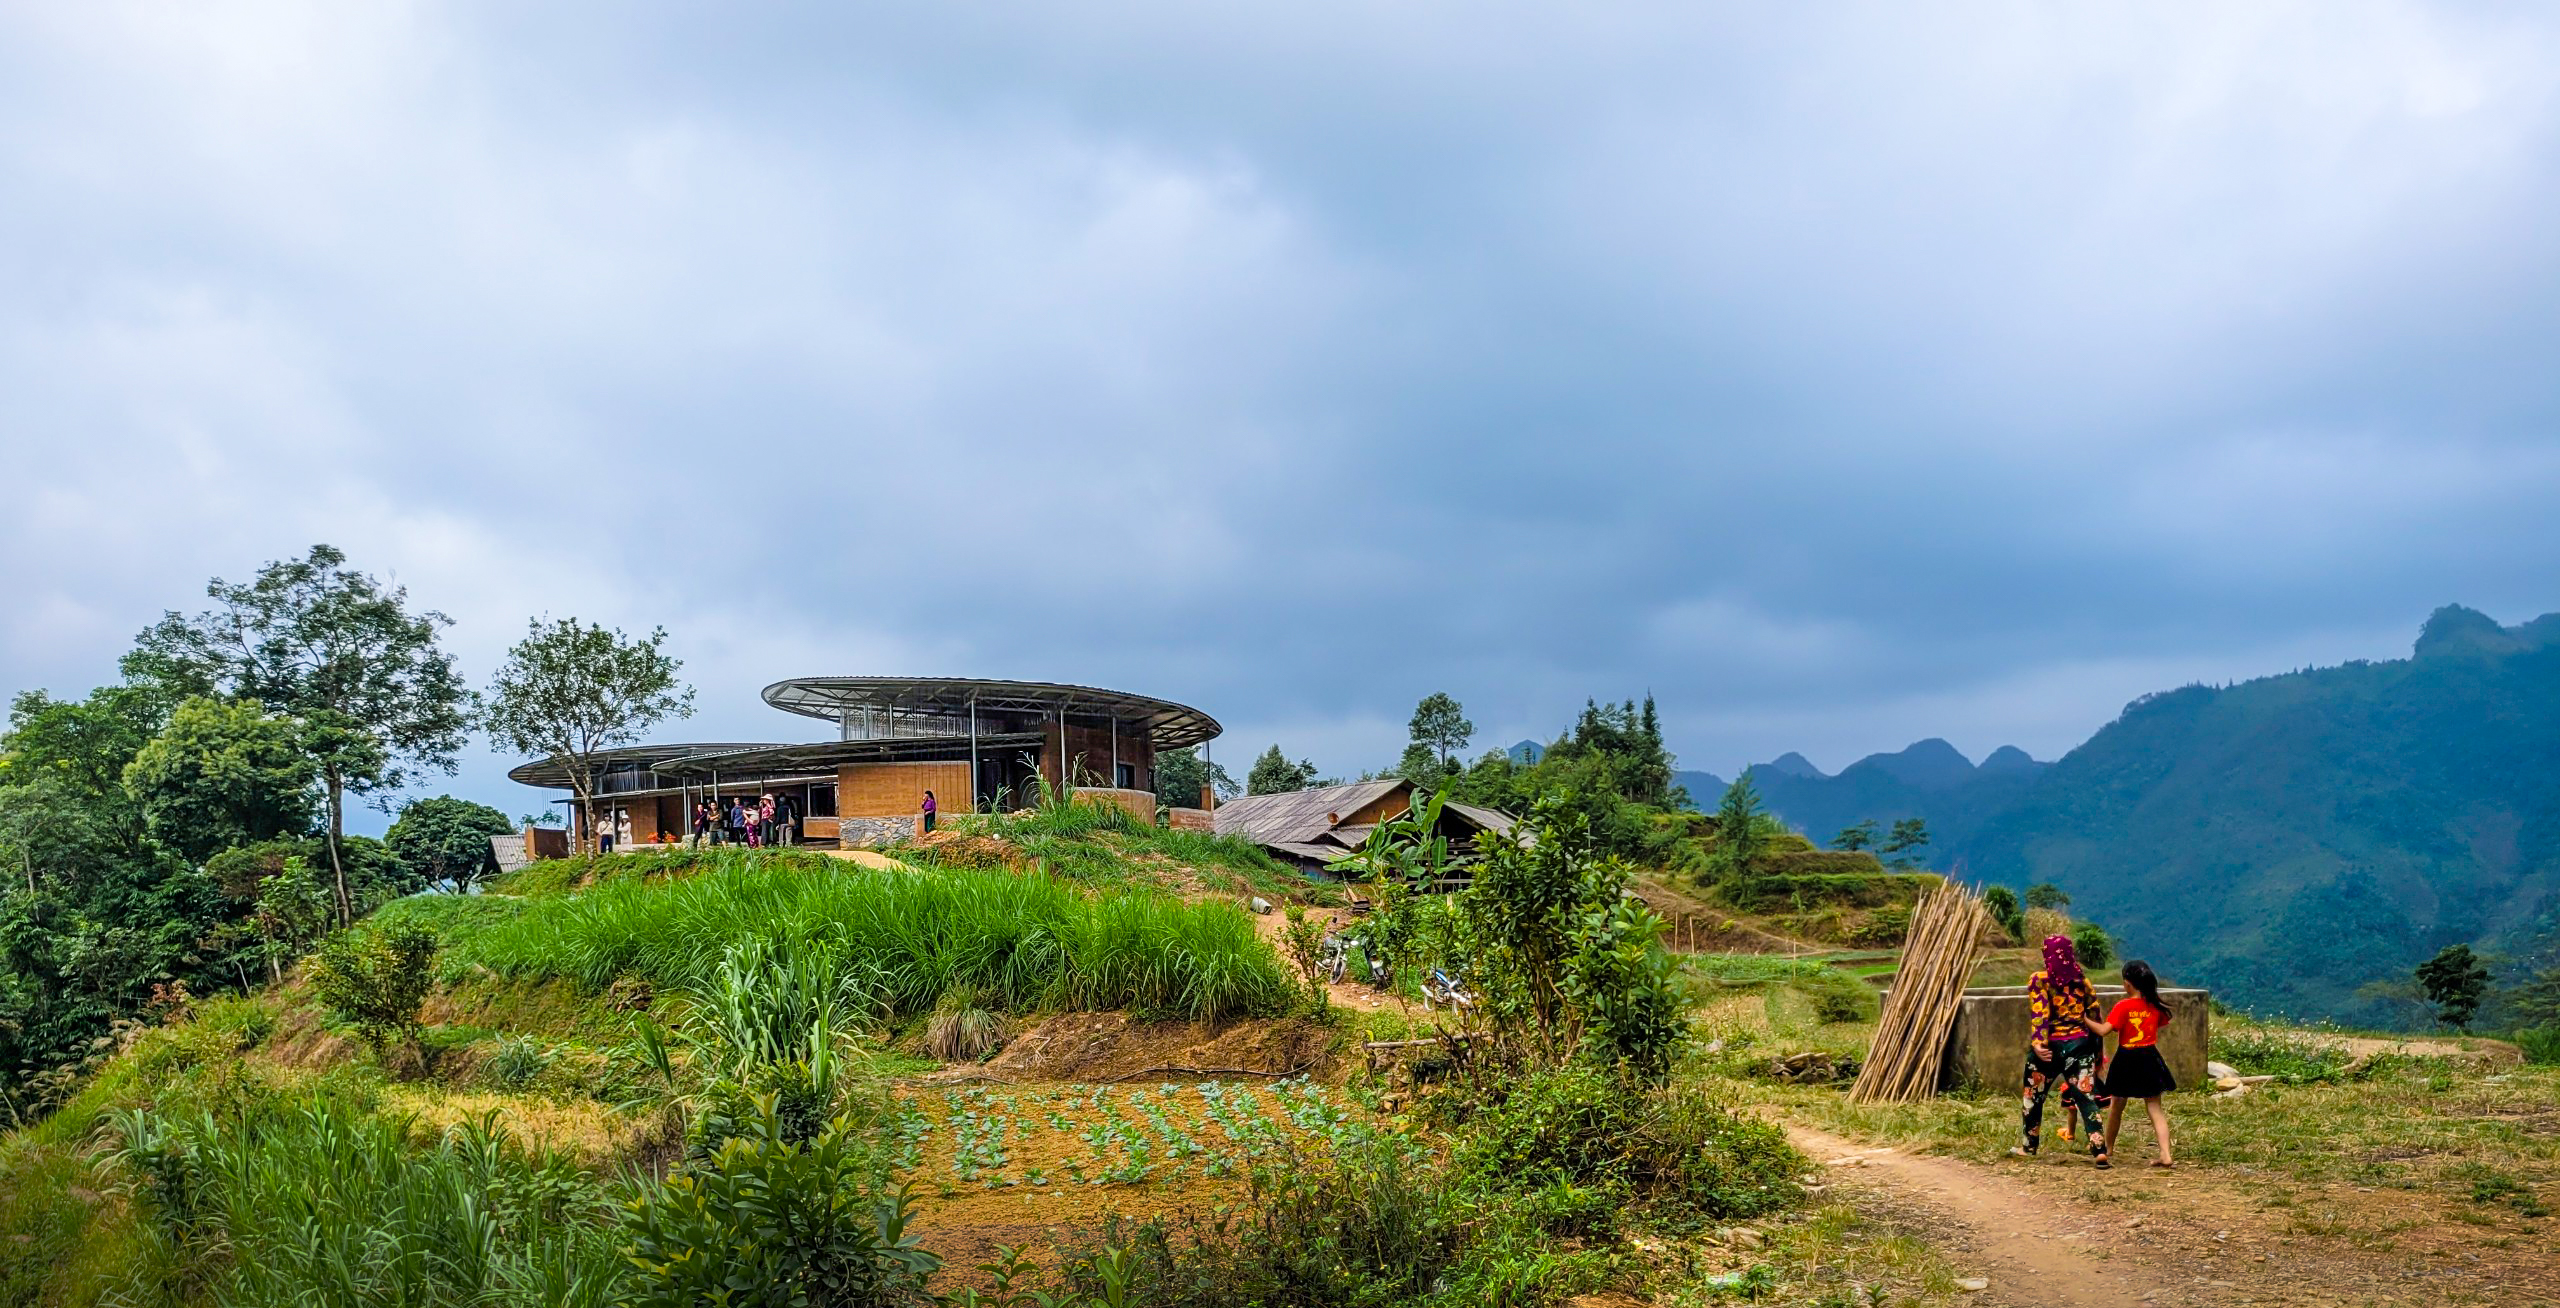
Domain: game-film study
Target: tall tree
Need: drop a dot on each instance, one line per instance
(1738, 832)
(223, 773)
(445, 841)
(1903, 844)
(1180, 773)
(1855, 838)
(1440, 725)
(1274, 774)
(331, 646)
(570, 691)
(2455, 980)
(2045, 894)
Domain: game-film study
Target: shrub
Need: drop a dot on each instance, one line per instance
(1837, 998)
(377, 979)
(1567, 1122)
(518, 1063)
(2003, 903)
(2541, 1045)
(1694, 1154)
(1887, 927)
(2092, 943)
(773, 1221)
(961, 1030)
(2291, 1058)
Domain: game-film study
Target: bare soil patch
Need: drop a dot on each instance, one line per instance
(1103, 1047)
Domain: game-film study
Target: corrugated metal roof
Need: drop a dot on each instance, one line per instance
(1297, 817)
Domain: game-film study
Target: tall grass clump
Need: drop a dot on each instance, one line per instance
(1022, 941)
(332, 1206)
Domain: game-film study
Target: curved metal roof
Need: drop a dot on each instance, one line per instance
(553, 772)
(1170, 725)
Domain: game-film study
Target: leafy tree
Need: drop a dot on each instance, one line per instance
(1631, 739)
(1440, 726)
(570, 691)
(1854, 838)
(64, 811)
(1274, 774)
(1739, 834)
(1180, 773)
(2045, 894)
(2092, 944)
(1422, 767)
(1903, 844)
(2537, 1002)
(2003, 903)
(2455, 981)
(222, 774)
(445, 841)
(331, 646)
(294, 909)
(378, 980)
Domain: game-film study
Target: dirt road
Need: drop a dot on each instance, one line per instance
(2056, 1233)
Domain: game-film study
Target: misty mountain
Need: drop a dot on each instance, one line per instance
(2286, 840)
(1931, 779)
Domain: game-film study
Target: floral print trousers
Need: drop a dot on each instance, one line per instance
(2073, 1067)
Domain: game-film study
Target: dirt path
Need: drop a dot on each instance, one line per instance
(1990, 1227)
(2055, 1231)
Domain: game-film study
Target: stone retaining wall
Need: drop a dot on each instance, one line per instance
(873, 832)
(1988, 1046)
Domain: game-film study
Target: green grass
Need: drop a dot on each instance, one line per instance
(1024, 940)
(1104, 844)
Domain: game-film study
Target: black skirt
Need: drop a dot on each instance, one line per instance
(2138, 1073)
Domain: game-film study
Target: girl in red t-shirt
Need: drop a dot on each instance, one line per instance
(2137, 1071)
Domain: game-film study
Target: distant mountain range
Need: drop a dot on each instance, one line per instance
(2287, 840)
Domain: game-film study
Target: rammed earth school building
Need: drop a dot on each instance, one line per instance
(977, 745)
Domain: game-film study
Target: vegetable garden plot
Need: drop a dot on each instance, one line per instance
(1069, 1153)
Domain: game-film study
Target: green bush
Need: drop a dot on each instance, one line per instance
(517, 1063)
(1693, 1154)
(2291, 1058)
(377, 978)
(2091, 942)
(769, 1220)
(2541, 1045)
(1569, 1122)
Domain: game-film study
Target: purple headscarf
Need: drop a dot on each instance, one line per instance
(2062, 963)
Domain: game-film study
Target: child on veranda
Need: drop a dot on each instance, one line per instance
(2137, 1071)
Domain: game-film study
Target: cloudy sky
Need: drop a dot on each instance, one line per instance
(1841, 374)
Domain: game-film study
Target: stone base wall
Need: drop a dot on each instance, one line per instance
(1191, 819)
(1988, 1046)
(873, 832)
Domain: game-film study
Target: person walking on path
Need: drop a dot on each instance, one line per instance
(2060, 1051)
(928, 812)
(701, 823)
(764, 819)
(2137, 1071)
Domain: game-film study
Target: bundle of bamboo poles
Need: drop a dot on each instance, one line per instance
(1947, 927)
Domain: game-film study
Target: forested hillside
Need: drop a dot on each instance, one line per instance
(2298, 842)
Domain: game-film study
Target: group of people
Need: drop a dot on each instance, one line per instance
(2066, 1050)
(764, 822)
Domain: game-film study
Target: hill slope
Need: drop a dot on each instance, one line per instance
(2291, 838)
(2286, 840)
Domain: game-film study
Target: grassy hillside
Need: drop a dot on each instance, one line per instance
(2289, 840)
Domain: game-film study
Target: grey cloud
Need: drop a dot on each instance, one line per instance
(1840, 376)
